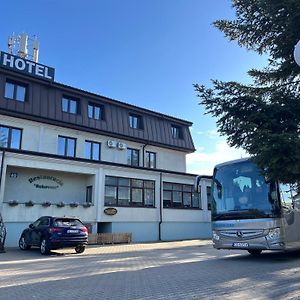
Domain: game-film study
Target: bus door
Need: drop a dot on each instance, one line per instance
(291, 215)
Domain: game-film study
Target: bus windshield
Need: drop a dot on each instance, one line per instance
(241, 192)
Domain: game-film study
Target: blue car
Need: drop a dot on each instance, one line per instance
(51, 233)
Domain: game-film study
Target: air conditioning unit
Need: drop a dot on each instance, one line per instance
(111, 144)
(121, 146)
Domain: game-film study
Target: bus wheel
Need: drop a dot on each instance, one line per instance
(255, 251)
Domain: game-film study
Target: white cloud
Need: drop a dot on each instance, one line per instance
(202, 163)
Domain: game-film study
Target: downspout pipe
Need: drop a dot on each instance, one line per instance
(143, 150)
(160, 207)
(1, 168)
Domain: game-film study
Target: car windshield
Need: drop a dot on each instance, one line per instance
(240, 191)
(67, 223)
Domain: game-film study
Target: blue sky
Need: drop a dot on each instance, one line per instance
(146, 53)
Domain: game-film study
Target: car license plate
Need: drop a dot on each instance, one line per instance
(240, 245)
(72, 231)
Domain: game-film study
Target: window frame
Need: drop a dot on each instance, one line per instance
(92, 150)
(93, 106)
(9, 138)
(174, 188)
(131, 157)
(148, 155)
(66, 138)
(70, 99)
(138, 124)
(89, 194)
(176, 132)
(16, 84)
(133, 187)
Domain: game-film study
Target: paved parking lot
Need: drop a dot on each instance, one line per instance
(174, 270)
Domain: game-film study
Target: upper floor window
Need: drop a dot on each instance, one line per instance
(208, 194)
(122, 191)
(95, 111)
(10, 137)
(150, 160)
(176, 132)
(92, 150)
(176, 195)
(133, 157)
(15, 91)
(135, 121)
(66, 146)
(70, 105)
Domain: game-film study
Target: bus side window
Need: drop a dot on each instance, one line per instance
(286, 194)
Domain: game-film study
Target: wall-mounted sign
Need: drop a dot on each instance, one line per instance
(46, 182)
(110, 211)
(19, 64)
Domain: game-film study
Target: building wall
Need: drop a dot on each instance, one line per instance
(44, 138)
(141, 221)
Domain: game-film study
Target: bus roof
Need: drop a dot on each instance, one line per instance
(236, 161)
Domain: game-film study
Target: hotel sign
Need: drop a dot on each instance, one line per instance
(19, 64)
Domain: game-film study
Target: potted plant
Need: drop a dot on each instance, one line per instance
(29, 203)
(73, 204)
(87, 204)
(46, 204)
(13, 203)
(60, 204)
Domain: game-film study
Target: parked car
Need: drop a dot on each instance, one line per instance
(51, 233)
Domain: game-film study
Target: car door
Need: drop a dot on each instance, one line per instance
(32, 232)
(39, 230)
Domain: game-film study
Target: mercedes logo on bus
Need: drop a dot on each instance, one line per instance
(239, 234)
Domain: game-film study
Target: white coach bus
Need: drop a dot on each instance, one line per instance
(251, 213)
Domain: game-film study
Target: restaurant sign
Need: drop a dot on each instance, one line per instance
(46, 182)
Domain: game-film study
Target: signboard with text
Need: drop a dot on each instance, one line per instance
(19, 64)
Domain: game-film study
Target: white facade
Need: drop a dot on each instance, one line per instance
(35, 173)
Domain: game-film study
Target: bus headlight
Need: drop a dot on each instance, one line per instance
(273, 234)
(216, 236)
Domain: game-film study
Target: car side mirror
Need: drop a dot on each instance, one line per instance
(31, 226)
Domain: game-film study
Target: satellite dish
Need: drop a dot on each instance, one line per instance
(297, 53)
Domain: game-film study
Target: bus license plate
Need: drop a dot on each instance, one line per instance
(240, 245)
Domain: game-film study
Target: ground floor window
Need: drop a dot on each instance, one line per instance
(176, 195)
(121, 191)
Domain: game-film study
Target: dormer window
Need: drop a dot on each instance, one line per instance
(135, 121)
(176, 132)
(70, 105)
(95, 111)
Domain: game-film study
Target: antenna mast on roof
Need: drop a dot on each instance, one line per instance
(18, 45)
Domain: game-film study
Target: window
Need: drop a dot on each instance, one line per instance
(135, 121)
(120, 191)
(66, 146)
(92, 150)
(15, 91)
(89, 194)
(176, 132)
(150, 160)
(208, 193)
(10, 137)
(95, 111)
(133, 157)
(70, 105)
(176, 195)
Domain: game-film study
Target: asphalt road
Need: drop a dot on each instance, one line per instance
(175, 270)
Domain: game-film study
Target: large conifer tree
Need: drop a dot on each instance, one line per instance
(263, 118)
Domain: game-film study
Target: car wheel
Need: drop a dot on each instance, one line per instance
(255, 251)
(23, 244)
(80, 249)
(44, 247)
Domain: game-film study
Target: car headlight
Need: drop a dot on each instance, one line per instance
(274, 234)
(215, 236)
